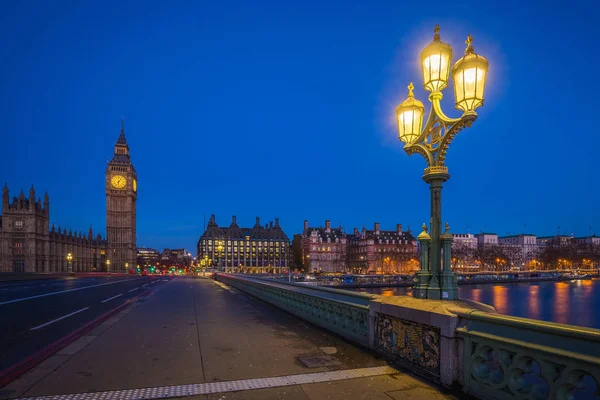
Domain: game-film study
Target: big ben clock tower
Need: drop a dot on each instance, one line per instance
(121, 196)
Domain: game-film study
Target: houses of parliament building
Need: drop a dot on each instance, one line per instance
(28, 243)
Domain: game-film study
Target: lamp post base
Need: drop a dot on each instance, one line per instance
(433, 291)
(421, 285)
(449, 289)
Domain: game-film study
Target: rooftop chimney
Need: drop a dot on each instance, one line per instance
(270, 224)
(277, 222)
(257, 221)
(399, 228)
(328, 226)
(376, 227)
(233, 220)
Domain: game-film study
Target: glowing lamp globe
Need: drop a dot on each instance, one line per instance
(435, 61)
(469, 79)
(410, 117)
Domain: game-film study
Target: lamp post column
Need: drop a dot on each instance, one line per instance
(423, 275)
(435, 176)
(449, 281)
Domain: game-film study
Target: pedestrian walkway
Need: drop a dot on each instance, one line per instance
(197, 339)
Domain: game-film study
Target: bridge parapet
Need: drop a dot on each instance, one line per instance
(509, 357)
(343, 312)
(461, 342)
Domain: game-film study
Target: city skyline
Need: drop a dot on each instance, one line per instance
(286, 154)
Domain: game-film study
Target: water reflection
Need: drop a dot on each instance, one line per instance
(534, 302)
(575, 302)
(500, 298)
(561, 302)
(476, 295)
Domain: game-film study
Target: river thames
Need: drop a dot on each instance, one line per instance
(574, 302)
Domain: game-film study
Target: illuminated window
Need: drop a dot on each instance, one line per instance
(19, 224)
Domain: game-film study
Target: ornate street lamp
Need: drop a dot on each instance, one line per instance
(107, 265)
(434, 280)
(69, 259)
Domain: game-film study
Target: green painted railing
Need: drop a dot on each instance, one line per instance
(517, 358)
(343, 312)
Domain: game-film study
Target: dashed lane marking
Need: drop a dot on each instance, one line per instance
(57, 319)
(110, 298)
(134, 289)
(62, 291)
(163, 392)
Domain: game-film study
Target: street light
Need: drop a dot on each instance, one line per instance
(69, 259)
(107, 265)
(432, 142)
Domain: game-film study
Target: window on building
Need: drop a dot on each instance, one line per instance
(19, 224)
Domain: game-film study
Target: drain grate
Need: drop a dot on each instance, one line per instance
(319, 361)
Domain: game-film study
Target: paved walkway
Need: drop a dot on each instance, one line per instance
(198, 339)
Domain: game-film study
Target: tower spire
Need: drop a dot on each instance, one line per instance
(122, 140)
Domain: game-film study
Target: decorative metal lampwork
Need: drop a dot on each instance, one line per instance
(434, 280)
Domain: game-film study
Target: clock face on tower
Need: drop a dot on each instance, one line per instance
(134, 185)
(118, 181)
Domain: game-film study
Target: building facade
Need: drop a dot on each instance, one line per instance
(147, 256)
(523, 249)
(382, 251)
(467, 240)
(324, 248)
(121, 198)
(28, 244)
(249, 250)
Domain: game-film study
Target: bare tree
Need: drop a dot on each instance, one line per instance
(462, 256)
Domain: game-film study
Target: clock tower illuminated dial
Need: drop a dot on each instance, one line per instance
(121, 199)
(118, 181)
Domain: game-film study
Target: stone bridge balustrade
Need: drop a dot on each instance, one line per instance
(343, 312)
(454, 343)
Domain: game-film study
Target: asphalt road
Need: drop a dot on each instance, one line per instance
(36, 313)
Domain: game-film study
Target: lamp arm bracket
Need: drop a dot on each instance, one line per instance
(422, 150)
(463, 122)
(437, 108)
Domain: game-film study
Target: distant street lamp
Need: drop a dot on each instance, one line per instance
(432, 143)
(107, 265)
(69, 267)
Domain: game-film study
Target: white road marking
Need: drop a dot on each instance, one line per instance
(133, 290)
(62, 291)
(110, 298)
(165, 280)
(57, 319)
(162, 392)
(145, 285)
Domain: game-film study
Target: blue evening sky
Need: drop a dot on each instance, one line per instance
(286, 109)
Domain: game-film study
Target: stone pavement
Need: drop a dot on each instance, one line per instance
(194, 335)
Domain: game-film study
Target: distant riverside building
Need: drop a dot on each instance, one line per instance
(464, 239)
(484, 239)
(323, 248)
(556, 239)
(593, 240)
(175, 257)
(525, 248)
(28, 244)
(147, 256)
(382, 251)
(260, 249)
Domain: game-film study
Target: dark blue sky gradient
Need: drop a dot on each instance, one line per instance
(287, 109)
